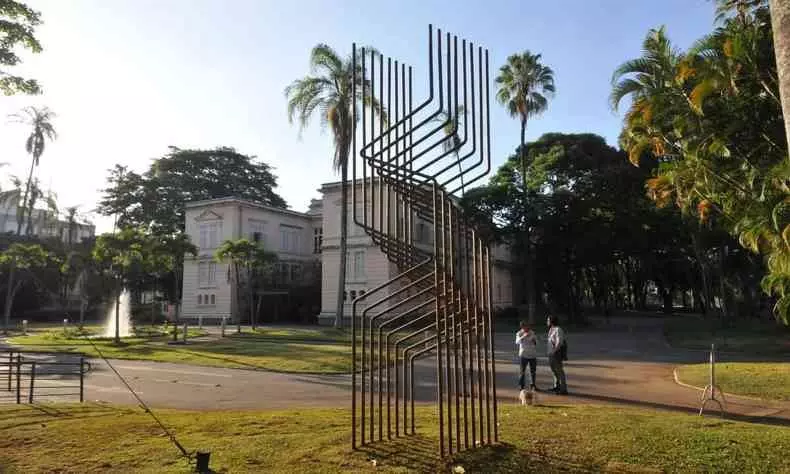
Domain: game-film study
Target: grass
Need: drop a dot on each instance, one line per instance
(757, 337)
(234, 351)
(94, 438)
(308, 334)
(766, 380)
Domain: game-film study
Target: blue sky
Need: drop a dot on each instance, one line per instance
(127, 78)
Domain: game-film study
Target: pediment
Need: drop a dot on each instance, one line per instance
(208, 215)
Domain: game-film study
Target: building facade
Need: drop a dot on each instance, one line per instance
(46, 224)
(308, 250)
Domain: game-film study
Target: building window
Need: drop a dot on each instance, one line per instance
(289, 239)
(345, 296)
(357, 265)
(212, 299)
(207, 273)
(296, 272)
(200, 300)
(318, 238)
(283, 239)
(209, 235)
(361, 292)
(258, 231)
(353, 295)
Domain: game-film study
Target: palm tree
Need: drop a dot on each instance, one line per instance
(329, 90)
(650, 82)
(452, 141)
(525, 86)
(40, 121)
(780, 23)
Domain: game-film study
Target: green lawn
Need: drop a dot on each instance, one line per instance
(308, 334)
(235, 351)
(98, 438)
(758, 379)
(758, 337)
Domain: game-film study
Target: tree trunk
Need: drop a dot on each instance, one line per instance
(83, 307)
(780, 23)
(153, 306)
(341, 277)
(20, 218)
(9, 300)
(250, 298)
(722, 284)
(29, 227)
(529, 267)
(237, 296)
(176, 298)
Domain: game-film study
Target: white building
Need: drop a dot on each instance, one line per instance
(305, 243)
(45, 224)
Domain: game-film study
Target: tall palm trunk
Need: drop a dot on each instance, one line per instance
(529, 275)
(20, 218)
(237, 295)
(341, 277)
(780, 23)
(251, 297)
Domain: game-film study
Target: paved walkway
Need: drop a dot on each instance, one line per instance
(627, 363)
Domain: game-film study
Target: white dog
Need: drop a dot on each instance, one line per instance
(527, 397)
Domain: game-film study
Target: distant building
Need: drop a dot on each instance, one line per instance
(305, 284)
(46, 224)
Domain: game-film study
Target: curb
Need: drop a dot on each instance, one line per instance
(701, 389)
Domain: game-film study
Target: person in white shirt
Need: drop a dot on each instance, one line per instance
(556, 351)
(527, 352)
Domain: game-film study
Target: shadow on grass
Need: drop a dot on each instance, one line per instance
(764, 420)
(419, 453)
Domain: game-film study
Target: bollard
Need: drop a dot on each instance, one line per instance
(200, 322)
(222, 327)
(202, 461)
(65, 325)
(24, 327)
(185, 332)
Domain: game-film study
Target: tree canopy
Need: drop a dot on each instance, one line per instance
(597, 237)
(156, 198)
(18, 23)
(712, 116)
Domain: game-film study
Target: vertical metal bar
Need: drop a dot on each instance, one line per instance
(372, 218)
(439, 368)
(354, 79)
(399, 239)
(482, 360)
(18, 377)
(10, 368)
(32, 382)
(389, 236)
(491, 342)
(82, 380)
(447, 328)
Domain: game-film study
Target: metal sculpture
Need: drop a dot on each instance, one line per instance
(411, 162)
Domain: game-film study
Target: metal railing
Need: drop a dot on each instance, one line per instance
(30, 376)
(404, 174)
